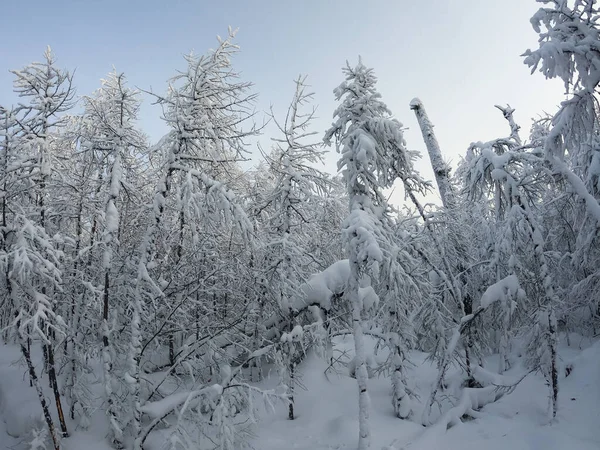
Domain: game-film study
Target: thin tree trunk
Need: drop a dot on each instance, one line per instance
(552, 344)
(107, 365)
(29, 350)
(74, 313)
(548, 285)
(95, 221)
(73, 369)
(364, 429)
(289, 354)
(468, 310)
(45, 355)
(36, 383)
(5, 232)
(171, 349)
(54, 385)
(135, 357)
(291, 391)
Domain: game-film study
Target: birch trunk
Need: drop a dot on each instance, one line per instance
(441, 170)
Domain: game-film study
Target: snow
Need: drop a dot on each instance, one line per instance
(19, 406)
(116, 177)
(321, 287)
(363, 225)
(519, 421)
(112, 217)
(592, 205)
(415, 103)
(294, 336)
(368, 297)
(327, 412)
(366, 148)
(161, 408)
(297, 333)
(498, 291)
(349, 369)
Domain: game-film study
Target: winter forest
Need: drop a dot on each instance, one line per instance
(159, 296)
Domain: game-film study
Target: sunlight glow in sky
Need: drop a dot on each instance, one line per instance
(459, 58)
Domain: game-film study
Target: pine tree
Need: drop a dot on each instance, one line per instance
(373, 155)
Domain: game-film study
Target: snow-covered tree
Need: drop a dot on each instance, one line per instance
(567, 50)
(205, 108)
(46, 93)
(293, 203)
(373, 155)
(505, 166)
(112, 111)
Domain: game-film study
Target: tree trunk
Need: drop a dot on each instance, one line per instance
(171, 350)
(440, 168)
(469, 344)
(54, 385)
(73, 350)
(364, 436)
(364, 428)
(74, 329)
(400, 397)
(552, 343)
(442, 178)
(289, 352)
(107, 365)
(36, 383)
(291, 391)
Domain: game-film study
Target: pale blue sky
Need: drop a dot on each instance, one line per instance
(460, 57)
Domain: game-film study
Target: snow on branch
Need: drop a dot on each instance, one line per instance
(321, 287)
(499, 290)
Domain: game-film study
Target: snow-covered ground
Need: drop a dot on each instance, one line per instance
(20, 411)
(327, 413)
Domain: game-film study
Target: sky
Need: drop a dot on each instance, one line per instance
(459, 57)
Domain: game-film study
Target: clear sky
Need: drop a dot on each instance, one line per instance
(459, 56)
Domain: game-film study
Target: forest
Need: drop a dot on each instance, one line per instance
(164, 295)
